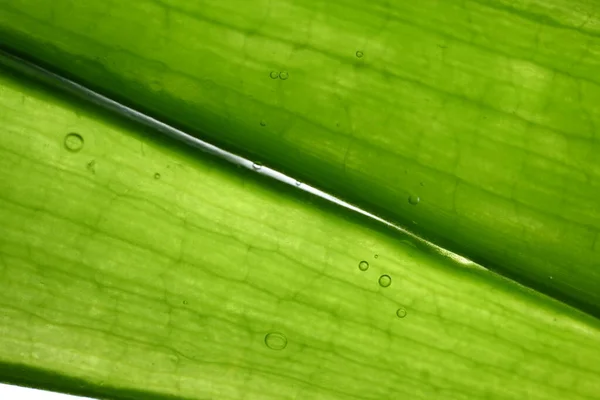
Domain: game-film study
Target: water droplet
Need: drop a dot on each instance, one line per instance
(185, 302)
(385, 280)
(363, 265)
(376, 256)
(276, 341)
(284, 75)
(359, 54)
(257, 166)
(263, 122)
(274, 74)
(401, 312)
(414, 199)
(73, 142)
(157, 176)
(298, 183)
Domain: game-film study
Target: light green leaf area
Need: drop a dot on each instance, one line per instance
(487, 111)
(131, 267)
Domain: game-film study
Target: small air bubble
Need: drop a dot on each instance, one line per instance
(385, 280)
(157, 176)
(414, 199)
(274, 74)
(363, 265)
(263, 122)
(257, 166)
(73, 142)
(284, 75)
(359, 54)
(401, 312)
(276, 341)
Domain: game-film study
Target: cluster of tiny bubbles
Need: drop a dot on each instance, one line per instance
(276, 341)
(263, 122)
(284, 75)
(257, 166)
(414, 199)
(359, 54)
(157, 176)
(73, 142)
(274, 74)
(385, 280)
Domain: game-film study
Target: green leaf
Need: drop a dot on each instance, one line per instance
(486, 111)
(133, 267)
